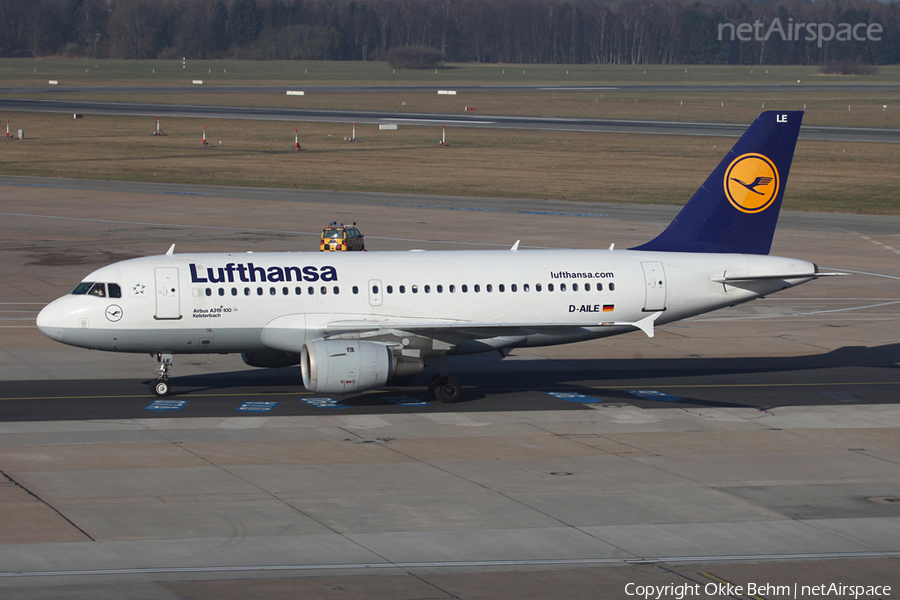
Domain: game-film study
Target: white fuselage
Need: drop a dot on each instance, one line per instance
(231, 302)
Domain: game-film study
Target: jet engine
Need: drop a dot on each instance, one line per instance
(345, 366)
(271, 359)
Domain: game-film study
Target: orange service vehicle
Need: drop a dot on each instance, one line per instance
(341, 238)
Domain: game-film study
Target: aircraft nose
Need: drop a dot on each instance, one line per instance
(50, 321)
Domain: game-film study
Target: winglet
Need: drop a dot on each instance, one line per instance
(515, 247)
(171, 250)
(646, 324)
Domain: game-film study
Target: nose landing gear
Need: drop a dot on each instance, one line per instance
(160, 387)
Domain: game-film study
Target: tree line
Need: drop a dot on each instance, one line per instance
(486, 31)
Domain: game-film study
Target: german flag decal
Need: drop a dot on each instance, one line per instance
(609, 307)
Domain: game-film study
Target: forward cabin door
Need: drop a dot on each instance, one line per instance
(655, 286)
(167, 297)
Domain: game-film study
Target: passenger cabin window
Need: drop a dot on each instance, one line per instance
(549, 287)
(612, 287)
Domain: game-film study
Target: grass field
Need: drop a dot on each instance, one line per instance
(573, 166)
(844, 177)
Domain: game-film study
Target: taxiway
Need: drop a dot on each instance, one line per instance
(756, 444)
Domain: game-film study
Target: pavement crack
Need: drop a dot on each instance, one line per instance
(47, 504)
(866, 453)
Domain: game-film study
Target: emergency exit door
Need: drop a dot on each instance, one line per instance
(375, 292)
(167, 297)
(654, 286)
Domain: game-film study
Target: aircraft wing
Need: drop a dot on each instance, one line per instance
(369, 328)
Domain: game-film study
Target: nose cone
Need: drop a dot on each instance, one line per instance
(50, 321)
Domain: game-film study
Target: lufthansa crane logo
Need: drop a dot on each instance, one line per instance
(751, 183)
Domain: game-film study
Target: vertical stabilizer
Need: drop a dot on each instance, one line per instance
(736, 209)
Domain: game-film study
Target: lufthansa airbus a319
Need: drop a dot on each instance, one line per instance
(358, 321)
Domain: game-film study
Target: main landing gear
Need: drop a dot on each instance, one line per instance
(160, 386)
(444, 388)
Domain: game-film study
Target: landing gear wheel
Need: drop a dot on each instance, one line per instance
(445, 389)
(160, 387)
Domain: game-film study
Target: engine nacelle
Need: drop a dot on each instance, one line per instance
(345, 366)
(271, 359)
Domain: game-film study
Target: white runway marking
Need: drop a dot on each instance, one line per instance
(246, 229)
(451, 564)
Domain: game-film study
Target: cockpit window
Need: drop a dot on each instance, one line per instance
(98, 289)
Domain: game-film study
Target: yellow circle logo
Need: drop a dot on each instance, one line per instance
(751, 183)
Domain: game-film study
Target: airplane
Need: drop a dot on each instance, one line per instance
(362, 320)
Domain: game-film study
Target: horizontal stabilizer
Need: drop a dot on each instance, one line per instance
(737, 278)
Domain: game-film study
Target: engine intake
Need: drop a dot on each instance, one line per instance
(345, 366)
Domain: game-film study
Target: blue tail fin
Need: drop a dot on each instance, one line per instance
(736, 209)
